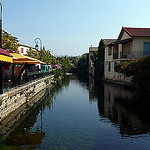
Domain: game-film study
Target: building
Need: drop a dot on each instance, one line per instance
(23, 49)
(92, 51)
(99, 67)
(131, 43)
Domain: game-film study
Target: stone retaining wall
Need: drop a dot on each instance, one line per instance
(12, 100)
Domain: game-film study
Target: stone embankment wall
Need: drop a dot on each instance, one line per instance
(27, 110)
(12, 100)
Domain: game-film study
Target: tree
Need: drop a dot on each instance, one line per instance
(32, 53)
(66, 66)
(83, 64)
(99, 60)
(43, 55)
(9, 42)
(74, 60)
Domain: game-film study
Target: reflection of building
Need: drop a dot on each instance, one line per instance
(92, 51)
(92, 97)
(126, 110)
(131, 43)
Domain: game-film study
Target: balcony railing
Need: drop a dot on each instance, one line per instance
(131, 54)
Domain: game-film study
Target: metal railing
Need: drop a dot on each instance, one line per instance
(130, 54)
(133, 54)
(16, 82)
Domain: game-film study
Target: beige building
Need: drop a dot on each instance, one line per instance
(92, 51)
(131, 43)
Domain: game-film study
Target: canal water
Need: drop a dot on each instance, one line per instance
(83, 114)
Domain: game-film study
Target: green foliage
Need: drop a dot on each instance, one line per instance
(43, 55)
(139, 69)
(9, 42)
(83, 64)
(99, 60)
(22, 92)
(32, 53)
(66, 66)
(132, 67)
(1, 102)
(57, 74)
(74, 60)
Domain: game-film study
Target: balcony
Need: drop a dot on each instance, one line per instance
(131, 54)
(115, 55)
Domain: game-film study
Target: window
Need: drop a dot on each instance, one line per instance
(109, 66)
(146, 48)
(115, 64)
(109, 50)
(22, 50)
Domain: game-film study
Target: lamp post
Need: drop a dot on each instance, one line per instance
(1, 69)
(37, 47)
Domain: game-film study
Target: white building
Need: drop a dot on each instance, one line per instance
(131, 43)
(24, 48)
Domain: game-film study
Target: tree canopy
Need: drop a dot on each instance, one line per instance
(9, 42)
(83, 64)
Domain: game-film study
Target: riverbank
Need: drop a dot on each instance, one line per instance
(12, 100)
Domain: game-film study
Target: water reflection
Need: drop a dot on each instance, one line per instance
(22, 128)
(126, 108)
(74, 122)
(15, 130)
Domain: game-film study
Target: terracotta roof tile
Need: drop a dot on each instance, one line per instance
(137, 31)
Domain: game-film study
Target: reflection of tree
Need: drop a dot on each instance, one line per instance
(30, 140)
(84, 81)
(20, 135)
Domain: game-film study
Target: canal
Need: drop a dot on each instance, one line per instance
(82, 114)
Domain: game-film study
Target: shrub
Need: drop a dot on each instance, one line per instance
(138, 68)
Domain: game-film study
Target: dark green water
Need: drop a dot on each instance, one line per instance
(86, 115)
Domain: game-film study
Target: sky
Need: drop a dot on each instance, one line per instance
(70, 27)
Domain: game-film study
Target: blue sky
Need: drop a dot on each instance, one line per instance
(69, 27)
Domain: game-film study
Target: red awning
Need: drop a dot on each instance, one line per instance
(4, 52)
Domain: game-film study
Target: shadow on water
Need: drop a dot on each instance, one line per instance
(15, 130)
(128, 109)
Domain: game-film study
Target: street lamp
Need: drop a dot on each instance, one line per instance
(37, 46)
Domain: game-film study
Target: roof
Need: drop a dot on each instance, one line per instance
(135, 32)
(4, 52)
(19, 44)
(21, 59)
(5, 56)
(108, 41)
(92, 49)
(121, 41)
